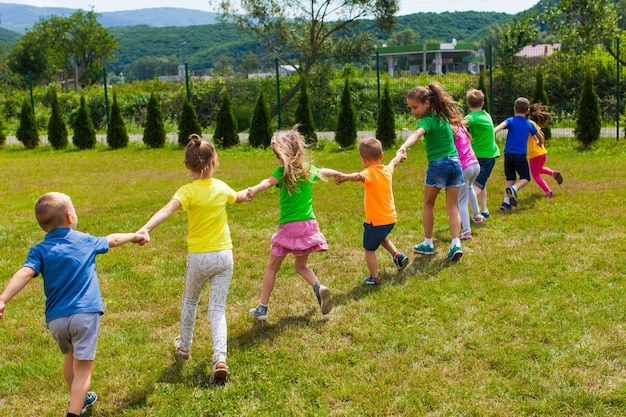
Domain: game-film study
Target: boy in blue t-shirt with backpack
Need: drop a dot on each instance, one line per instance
(515, 149)
(66, 259)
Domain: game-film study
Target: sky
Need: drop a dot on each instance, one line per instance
(406, 6)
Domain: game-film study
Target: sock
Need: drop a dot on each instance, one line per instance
(455, 242)
(506, 200)
(261, 308)
(428, 241)
(514, 187)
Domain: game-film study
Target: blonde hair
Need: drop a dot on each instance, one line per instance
(51, 210)
(442, 105)
(371, 149)
(288, 146)
(200, 155)
(475, 98)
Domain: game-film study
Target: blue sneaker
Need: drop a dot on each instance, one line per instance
(506, 207)
(512, 194)
(424, 249)
(90, 399)
(455, 253)
(485, 214)
(401, 260)
(259, 312)
(372, 281)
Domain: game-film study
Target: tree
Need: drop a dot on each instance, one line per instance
(117, 135)
(27, 56)
(3, 137)
(588, 118)
(482, 87)
(345, 133)
(27, 132)
(188, 123)
(386, 123)
(250, 64)
(303, 114)
(57, 128)
(226, 133)
(84, 132)
(541, 96)
(260, 127)
(154, 132)
(298, 32)
(514, 36)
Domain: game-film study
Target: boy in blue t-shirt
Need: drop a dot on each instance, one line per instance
(515, 148)
(66, 259)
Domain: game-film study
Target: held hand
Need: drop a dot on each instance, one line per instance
(2, 307)
(249, 194)
(142, 237)
(402, 152)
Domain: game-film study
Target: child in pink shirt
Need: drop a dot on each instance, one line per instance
(471, 169)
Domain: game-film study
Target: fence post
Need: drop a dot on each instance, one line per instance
(378, 75)
(617, 89)
(106, 94)
(187, 83)
(30, 88)
(278, 94)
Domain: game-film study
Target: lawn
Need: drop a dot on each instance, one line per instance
(531, 322)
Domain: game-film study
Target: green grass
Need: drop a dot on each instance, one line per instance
(530, 323)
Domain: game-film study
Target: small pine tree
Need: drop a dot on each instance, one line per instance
(27, 132)
(226, 133)
(541, 96)
(303, 114)
(84, 132)
(386, 123)
(117, 135)
(57, 128)
(188, 123)
(154, 132)
(588, 118)
(3, 137)
(345, 134)
(260, 126)
(483, 88)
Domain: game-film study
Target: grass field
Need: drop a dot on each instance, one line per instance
(531, 322)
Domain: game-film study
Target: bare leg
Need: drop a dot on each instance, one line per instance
(269, 278)
(482, 197)
(452, 198)
(389, 246)
(304, 271)
(77, 375)
(430, 195)
(372, 263)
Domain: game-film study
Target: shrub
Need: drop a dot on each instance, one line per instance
(541, 96)
(346, 133)
(27, 132)
(154, 132)
(188, 123)
(3, 137)
(84, 132)
(57, 128)
(303, 114)
(117, 136)
(386, 123)
(226, 134)
(483, 88)
(588, 118)
(260, 127)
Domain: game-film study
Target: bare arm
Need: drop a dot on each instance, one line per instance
(328, 172)
(243, 196)
(499, 127)
(355, 176)
(119, 239)
(159, 217)
(262, 186)
(15, 285)
(540, 138)
(410, 141)
(397, 160)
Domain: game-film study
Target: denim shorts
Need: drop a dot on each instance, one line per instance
(516, 163)
(486, 166)
(373, 236)
(77, 333)
(445, 172)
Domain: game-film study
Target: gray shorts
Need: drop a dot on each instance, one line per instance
(77, 333)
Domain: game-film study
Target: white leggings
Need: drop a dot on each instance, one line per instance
(467, 195)
(216, 267)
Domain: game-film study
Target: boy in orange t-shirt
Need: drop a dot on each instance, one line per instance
(380, 210)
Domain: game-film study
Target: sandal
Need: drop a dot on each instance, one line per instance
(467, 235)
(219, 375)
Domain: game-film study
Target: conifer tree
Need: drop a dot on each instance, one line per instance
(346, 134)
(588, 118)
(303, 114)
(84, 132)
(154, 132)
(27, 132)
(483, 88)
(3, 137)
(260, 127)
(386, 122)
(226, 133)
(57, 128)
(541, 96)
(188, 123)
(117, 135)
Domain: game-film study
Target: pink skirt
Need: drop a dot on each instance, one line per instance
(300, 238)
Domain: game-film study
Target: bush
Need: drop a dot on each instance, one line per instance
(260, 127)
(303, 114)
(84, 132)
(346, 132)
(483, 88)
(27, 132)
(588, 118)
(541, 96)
(188, 123)
(117, 136)
(226, 134)
(57, 128)
(386, 123)
(154, 134)
(3, 137)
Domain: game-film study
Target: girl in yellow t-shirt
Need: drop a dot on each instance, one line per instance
(210, 255)
(537, 152)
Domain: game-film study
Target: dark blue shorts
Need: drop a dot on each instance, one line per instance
(516, 163)
(373, 236)
(486, 166)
